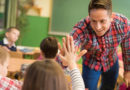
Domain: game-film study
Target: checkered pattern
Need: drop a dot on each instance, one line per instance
(9, 84)
(102, 51)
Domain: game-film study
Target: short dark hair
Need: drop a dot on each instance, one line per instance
(11, 28)
(103, 4)
(49, 47)
(45, 75)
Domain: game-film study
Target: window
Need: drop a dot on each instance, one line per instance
(2, 13)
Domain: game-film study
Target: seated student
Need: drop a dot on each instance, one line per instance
(5, 82)
(11, 36)
(49, 48)
(48, 75)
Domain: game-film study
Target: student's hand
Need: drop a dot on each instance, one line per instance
(127, 78)
(70, 55)
(78, 56)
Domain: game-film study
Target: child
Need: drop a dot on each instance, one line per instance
(49, 48)
(11, 36)
(44, 75)
(5, 82)
(48, 75)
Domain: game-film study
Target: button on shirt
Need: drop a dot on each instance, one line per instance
(102, 51)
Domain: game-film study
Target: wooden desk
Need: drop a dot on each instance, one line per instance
(19, 54)
(15, 63)
(34, 54)
(16, 54)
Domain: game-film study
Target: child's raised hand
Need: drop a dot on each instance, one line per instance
(70, 53)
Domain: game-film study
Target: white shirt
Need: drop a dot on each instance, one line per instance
(5, 41)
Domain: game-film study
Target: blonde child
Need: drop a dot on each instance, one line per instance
(5, 82)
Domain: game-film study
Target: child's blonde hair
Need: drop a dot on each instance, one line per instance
(3, 55)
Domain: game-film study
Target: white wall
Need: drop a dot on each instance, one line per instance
(45, 5)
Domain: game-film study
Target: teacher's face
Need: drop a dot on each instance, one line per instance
(100, 21)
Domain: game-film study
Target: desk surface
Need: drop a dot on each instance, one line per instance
(15, 63)
(34, 54)
(28, 50)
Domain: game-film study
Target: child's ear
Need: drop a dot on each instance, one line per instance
(43, 55)
(6, 34)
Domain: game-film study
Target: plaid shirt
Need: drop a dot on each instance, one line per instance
(9, 84)
(102, 51)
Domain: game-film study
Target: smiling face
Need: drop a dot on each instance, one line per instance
(100, 21)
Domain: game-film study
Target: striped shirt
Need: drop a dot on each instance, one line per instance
(77, 81)
(102, 51)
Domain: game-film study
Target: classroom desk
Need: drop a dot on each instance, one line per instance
(33, 55)
(16, 54)
(19, 54)
(15, 63)
(31, 52)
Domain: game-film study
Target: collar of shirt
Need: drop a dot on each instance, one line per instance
(5, 41)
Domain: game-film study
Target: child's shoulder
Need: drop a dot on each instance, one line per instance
(1, 42)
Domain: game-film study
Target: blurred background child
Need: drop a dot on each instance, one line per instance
(11, 36)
